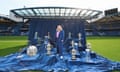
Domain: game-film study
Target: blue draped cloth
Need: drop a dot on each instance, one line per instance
(20, 61)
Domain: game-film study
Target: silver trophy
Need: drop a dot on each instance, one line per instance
(73, 54)
(69, 35)
(39, 41)
(73, 51)
(48, 35)
(88, 50)
(46, 40)
(36, 35)
(72, 42)
(32, 50)
(79, 36)
(48, 49)
(88, 45)
(79, 44)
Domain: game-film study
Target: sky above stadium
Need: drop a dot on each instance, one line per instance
(7, 5)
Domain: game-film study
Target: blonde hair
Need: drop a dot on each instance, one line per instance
(59, 28)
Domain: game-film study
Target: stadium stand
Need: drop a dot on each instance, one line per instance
(18, 21)
(24, 28)
(10, 25)
(6, 25)
(105, 26)
(52, 13)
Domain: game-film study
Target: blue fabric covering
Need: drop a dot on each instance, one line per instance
(21, 61)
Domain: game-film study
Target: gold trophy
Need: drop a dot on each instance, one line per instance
(48, 49)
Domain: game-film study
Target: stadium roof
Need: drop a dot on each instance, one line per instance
(109, 19)
(56, 12)
(6, 19)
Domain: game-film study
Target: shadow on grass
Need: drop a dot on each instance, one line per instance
(10, 50)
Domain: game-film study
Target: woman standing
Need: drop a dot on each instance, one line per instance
(59, 40)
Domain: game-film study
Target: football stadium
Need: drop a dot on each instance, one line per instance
(88, 40)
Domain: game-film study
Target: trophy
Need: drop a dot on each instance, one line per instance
(76, 46)
(69, 35)
(48, 35)
(48, 49)
(73, 50)
(39, 40)
(32, 50)
(46, 40)
(79, 36)
(88, 45)
(73, 54)
(36, 35)
(79, 44)
(88, 52)
(72, 42)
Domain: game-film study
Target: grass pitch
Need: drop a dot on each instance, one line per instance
(108, 47)
(11, 44)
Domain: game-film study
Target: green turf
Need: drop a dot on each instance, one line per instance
(13, 38)
(11, 44)
(108, 47)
